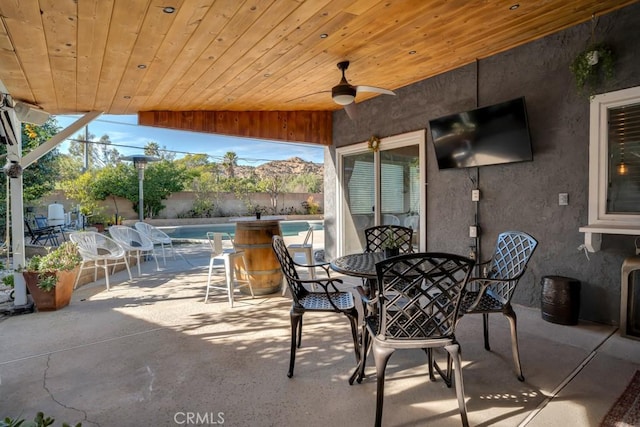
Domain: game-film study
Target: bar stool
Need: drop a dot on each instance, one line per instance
(306, 248)
(229, 257)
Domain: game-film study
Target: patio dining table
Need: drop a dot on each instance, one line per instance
(359, 265)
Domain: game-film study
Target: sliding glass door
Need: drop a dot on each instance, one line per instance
(381, 187)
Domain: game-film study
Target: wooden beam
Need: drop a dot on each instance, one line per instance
(58, 138)
(313, 127)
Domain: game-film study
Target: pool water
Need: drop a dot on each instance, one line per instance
(288, 228)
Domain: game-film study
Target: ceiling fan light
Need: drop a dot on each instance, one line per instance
(344, 99)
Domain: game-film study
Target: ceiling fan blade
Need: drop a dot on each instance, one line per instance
(374, 89)
(309, 94)
(351, 110)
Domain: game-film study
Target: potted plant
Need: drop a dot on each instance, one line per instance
(50, 278)
(593, 66)
(38, 421)
(98, 221)
(391, 244)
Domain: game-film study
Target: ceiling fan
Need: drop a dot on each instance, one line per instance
(345, 94)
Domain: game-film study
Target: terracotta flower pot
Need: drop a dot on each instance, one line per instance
(58, 297)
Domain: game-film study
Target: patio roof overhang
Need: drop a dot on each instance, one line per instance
(245, 69)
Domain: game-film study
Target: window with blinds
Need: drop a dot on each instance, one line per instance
(361, 189)
(392, 188)
(623, 189)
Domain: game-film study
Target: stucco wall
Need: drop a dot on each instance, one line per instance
(520, 196)
(179, 203)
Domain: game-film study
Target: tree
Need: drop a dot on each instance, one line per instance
(40, 177)
(229, 162)
(105, 154)
(99, 153)
(115, 181)
(161, 179)
(80, 189)
(303, 183)
(272, 185)
(153, 149)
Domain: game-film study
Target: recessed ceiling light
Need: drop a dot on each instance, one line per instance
(169, 9)
(267, 75)
(142, 66)
(514, 6)
(324, 35)
(412, 52)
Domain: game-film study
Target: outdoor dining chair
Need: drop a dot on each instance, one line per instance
(134, 243)
(492, 292)
(328, 299)
(306, 248)
(378, 237)
(228, 257)
(157, 236)
(101, 250)
(416, 307)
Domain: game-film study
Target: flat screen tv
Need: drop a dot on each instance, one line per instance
(485, 136)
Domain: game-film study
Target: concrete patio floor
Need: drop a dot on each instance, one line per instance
(151, 353)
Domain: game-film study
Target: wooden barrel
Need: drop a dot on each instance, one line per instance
(263, 268)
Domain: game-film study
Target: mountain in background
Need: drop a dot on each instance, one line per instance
(292, 166)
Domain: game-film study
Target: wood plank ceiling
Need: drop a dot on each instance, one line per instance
(126, 57)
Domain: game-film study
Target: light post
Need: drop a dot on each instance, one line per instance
(140, 162)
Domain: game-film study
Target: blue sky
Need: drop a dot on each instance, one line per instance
(123, 130)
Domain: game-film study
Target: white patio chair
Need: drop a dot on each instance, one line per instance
(157, 236)
(133, 242)
(229, 257)
(389, 219)
(305, 248)
(100, 249)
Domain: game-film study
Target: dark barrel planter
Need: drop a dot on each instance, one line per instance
(560, 300)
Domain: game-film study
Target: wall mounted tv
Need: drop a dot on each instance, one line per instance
(485, 136)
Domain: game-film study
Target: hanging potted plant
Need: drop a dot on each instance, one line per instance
(50, 278)
(594, 65)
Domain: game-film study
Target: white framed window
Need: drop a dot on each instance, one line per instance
(614, 166)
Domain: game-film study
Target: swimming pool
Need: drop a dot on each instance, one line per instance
(288, 228)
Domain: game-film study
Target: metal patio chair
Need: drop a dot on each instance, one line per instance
(492, 292)
(328, 299)
(41, 235)
(416, 307)
(376, 238)
(306, 247)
